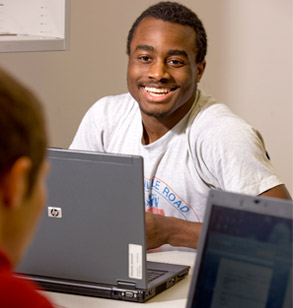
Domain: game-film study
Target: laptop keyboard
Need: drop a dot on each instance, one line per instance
(154, 274)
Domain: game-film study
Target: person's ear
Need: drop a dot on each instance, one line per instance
(14, 183)
(200, 70)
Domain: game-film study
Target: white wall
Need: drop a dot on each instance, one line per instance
(249, 66)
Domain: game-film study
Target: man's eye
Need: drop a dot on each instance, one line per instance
(175, 62)
(144, 58)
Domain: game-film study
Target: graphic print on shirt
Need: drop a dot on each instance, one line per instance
(152, 204)
(158, 192)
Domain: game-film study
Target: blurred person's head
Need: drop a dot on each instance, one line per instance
(23, 165)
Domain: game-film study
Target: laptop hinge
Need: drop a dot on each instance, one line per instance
(126, 284)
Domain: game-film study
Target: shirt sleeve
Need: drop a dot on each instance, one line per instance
(233, 157)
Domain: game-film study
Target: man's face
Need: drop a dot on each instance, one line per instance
(162, 73)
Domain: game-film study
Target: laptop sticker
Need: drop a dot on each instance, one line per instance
(135, 261)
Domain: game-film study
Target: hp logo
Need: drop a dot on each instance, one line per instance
(55, 212)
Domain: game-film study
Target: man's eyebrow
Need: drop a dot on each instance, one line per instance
(176, 52)
(145, 47)
(172, 52)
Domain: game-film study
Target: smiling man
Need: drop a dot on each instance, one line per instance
(163, 77)
(189, 141)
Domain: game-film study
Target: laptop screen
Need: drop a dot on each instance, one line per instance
(246, 261)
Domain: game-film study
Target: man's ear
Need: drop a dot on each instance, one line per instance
(200, 70)
(14, 183)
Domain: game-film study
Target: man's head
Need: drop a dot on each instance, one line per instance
(175, 13)
(23, 165)
(166, 47)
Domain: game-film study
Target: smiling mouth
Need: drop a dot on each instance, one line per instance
(158, 91)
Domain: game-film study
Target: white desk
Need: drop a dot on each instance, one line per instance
(176, 296)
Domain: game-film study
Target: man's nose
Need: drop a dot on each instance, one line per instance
(158, 71)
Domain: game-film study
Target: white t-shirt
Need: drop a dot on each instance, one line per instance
(209, 148)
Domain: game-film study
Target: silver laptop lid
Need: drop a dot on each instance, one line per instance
(94, 221)
(244, 258)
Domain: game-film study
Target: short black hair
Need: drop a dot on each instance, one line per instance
(175, 13)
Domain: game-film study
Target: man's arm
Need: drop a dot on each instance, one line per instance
(178, 232)
(162, 230)
(279, 191)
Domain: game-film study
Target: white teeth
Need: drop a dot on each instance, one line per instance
(156, 91)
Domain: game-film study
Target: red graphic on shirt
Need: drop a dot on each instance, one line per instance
(152, 203)
(155, 210)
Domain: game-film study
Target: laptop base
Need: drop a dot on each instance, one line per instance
(121, 292)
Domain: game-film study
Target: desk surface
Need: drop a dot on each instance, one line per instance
(176, 296)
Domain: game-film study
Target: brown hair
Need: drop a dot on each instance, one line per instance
(22, 127)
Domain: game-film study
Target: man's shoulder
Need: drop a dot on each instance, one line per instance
(208, 109)
(124, 100)
(109, 111)
(211, 109)
(215, 120)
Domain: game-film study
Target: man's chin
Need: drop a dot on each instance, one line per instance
(157, 114)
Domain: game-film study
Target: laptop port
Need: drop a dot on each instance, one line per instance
(129, 294)
(181, 276)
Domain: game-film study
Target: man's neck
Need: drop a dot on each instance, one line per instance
(155, 128)
(11, 244)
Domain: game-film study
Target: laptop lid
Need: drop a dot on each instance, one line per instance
(91, 237)
(91, 200)
(244, 257)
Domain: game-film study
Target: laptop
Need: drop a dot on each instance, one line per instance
(244, 257)
(91, 238)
